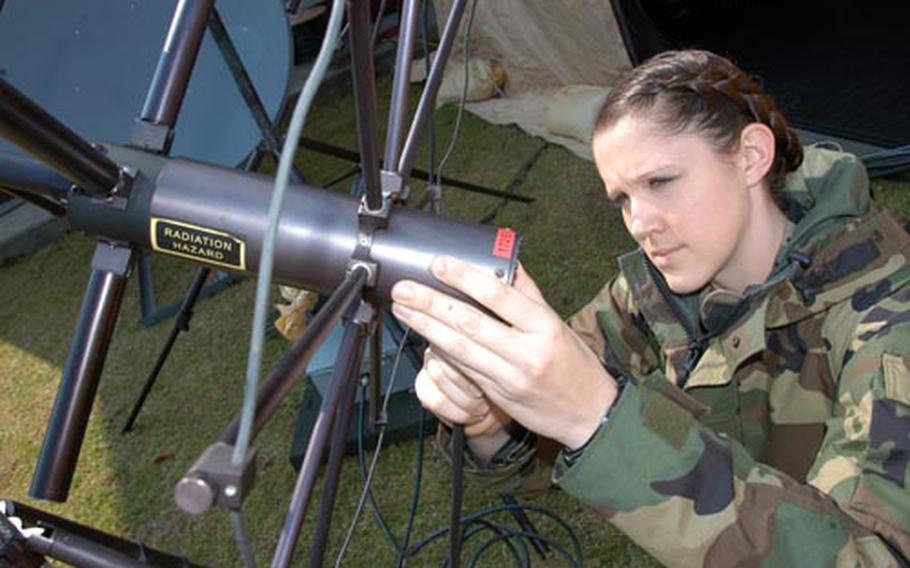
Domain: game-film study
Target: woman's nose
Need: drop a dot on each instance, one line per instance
(642, 220)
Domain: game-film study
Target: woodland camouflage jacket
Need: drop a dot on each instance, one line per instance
(787, 442)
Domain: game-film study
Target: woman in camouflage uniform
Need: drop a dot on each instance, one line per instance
(740, 393)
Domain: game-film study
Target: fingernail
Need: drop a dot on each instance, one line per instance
(439, 266)
(402, 292)
(400, 311)
(482, 410)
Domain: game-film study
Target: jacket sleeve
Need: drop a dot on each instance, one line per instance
(692, 497)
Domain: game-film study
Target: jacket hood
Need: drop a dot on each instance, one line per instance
(840, 246)
(829, 189)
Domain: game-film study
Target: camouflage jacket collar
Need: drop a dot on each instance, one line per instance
(841, 248)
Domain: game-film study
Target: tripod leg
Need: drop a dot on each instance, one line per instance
(346, 365)
(376, 417)
(182, 323)
(81, 373)
(333, 470)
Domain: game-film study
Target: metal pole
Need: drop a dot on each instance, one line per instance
(81, 373)
(407, 35)
(348, 372)
(247, 89)
(458, 446)
(30, 127)
(154, 130)
(431, 88)
(49, 205)
(348, 155)
(28, 175)
(349, 353)
(175, 64)
(80, 545)
(181, 323)
(365, 98)
(376, 417)
(298, 357)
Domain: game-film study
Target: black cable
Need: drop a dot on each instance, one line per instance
(458, 447)
(378, 23)
(412, 515)
(522, 534)
(361, 453)
(527, 508)
(480, 525)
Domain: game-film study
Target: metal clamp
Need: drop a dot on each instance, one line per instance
(368, 222)
(214, 480)
(365, 317)
(393, 186)
(117, 196)
(152, 136)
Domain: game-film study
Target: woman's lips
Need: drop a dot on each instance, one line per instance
(664, 256)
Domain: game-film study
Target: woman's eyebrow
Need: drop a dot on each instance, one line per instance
(651, 172)
(638, 178)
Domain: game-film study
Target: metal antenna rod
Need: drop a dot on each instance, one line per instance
(431, 88)
(175, 64)
(81, 373)
(247, 90)
(407, 36)
(365, 99)
(294, 362)
(350, 353)
(347, 372)
(33, 129)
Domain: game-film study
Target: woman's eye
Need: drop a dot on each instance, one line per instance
(619, 201)
(656, 182)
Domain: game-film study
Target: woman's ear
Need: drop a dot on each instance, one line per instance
(756, 149)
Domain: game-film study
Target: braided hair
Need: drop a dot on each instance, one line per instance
(702, 91)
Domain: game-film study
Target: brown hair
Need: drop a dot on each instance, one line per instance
(708, 93)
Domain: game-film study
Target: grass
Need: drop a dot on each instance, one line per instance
(124, 484)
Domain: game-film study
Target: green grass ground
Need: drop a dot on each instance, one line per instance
(124, 484)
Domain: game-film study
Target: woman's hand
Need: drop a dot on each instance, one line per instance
(455, 399)
(530, 365)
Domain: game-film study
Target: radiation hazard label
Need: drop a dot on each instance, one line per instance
(198, 243)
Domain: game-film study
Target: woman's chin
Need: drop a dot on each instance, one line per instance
(681, 283)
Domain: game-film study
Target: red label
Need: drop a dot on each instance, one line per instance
(504, 244)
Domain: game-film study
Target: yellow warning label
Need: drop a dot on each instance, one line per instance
(198, 243)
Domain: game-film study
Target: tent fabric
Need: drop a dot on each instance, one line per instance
(543, 45)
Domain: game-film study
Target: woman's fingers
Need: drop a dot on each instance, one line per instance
(434, 400)
(457, 388)
(513, 306)
(455, 322)
(469, 338)
(483, 427)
